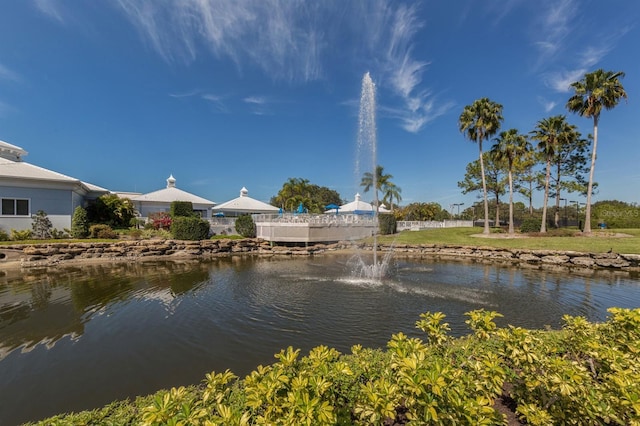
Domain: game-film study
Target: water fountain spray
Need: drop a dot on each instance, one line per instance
(367, 143)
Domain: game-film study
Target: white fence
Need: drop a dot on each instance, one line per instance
(416, 225)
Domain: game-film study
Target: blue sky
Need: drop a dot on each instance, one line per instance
(225, 94)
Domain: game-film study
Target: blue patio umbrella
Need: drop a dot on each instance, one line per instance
(301, 208)
(332, 206)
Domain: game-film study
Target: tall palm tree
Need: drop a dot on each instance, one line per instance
(597, 90)
(380, 180)
(391, 192)
(510, 146)
(549, 132)
(479, 121)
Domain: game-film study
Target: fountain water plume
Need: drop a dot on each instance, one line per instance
(367, 143)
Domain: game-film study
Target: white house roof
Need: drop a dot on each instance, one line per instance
(171, 194)
(11, 152)
(95, 188)
(245, 204)
(22, 170)
(358, 205)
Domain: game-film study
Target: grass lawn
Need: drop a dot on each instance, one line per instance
(618, 240)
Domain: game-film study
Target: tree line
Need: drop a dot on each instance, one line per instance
(559, 145)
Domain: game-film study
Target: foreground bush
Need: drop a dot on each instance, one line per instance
(586, 374)
(189, 228)
(245, 226)
(102, 231)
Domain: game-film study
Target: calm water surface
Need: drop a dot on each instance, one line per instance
(78, 338)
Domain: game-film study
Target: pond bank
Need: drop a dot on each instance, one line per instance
(52, 254)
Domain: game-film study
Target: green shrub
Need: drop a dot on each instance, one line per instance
(57, 234)
(41, 226)
(530, 225)
(588, 373)
(387, 224)
(79, 223)
(181, 209)
(189, 228)
(17, 235)
(245, 226)
(149, 233)
(3, 235)
(102, 231)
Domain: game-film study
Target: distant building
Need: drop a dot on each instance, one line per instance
(358, 207)
(25, 189)
(244, 205)
(160, 201)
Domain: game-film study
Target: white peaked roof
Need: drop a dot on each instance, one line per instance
(245, 204)
(11, 152)
(358, 205)
(12, 167)
(171, 194)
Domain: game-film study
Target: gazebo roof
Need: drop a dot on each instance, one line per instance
(171, 194)
(359, 206)
(245, 204)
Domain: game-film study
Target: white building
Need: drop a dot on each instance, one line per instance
(358, 207)
(244, 205)
(25, 189)
(160, 201)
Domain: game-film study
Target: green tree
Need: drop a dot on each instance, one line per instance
(111, 210)
(510, 146)
(526, 177)
(313, 197)
(550, 133)
(181, 209)
(79, 223)
(391, 192)
(495, 181)
(382, 183)
(421, 212)
(597, 90)
(41, 225)
(245, 226)
(479, 121)
(569, 166)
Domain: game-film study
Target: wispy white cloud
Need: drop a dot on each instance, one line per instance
(257, 100)
(294, 41)
(4, 109)
(560, 81)
(393, 31)
(547, 105)
(7, 74)
(51, 8)
(277, 36)
(554, 25)
(564, 44)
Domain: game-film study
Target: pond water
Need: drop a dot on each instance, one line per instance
(77, 338)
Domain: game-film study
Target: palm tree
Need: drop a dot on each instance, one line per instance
(597, 90)
(479, 121)
(391, 192)
(381, 182)
(510, 146)
(549, 132)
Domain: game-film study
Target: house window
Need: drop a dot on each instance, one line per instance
(15, 207)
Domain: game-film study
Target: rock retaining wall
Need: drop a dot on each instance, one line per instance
(33, 255)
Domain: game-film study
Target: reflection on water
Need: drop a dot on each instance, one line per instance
(77, 338)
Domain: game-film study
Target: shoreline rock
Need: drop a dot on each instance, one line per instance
(63, 253)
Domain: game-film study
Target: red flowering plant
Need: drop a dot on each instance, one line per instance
(160, 220)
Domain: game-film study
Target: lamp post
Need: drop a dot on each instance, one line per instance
(566, 219)
(458, 205)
